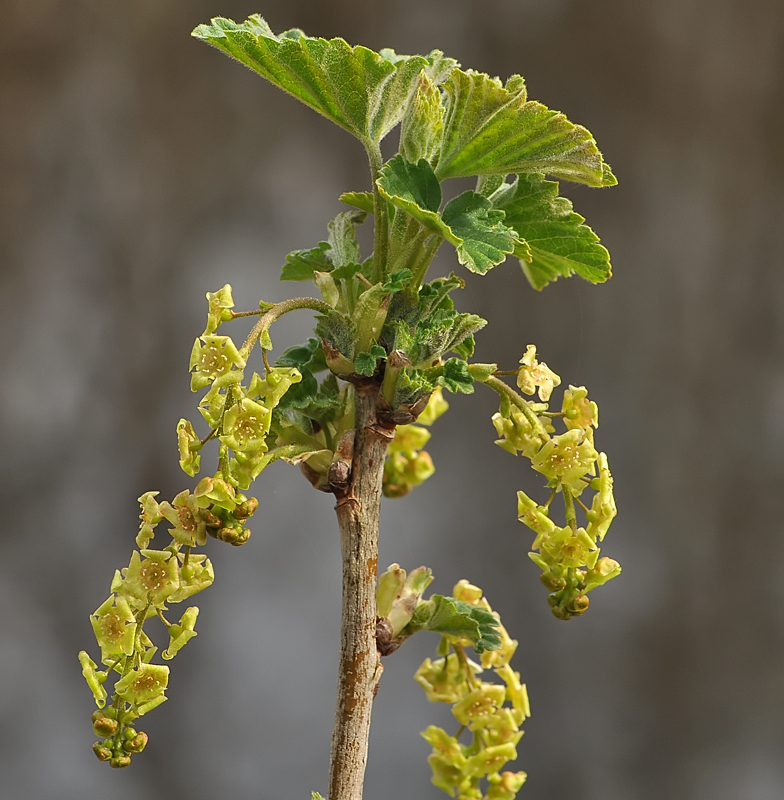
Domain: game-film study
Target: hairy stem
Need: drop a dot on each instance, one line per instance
(381, 218)
(360, 666)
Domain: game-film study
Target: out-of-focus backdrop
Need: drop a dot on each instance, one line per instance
(140, 169)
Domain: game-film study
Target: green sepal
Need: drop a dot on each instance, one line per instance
(456, 619)
(355, 87)
(301, 264)
(491, 129)
(559, 242)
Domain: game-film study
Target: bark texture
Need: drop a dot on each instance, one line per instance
(360, 668)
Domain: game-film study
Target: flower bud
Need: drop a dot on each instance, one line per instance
(137, 743)
(118, 762)
(102, 751)
(103, 725)
(552, 581)
(578, 605)
(247, 508)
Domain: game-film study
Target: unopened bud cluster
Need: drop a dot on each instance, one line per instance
(568, 555)
(490, 712)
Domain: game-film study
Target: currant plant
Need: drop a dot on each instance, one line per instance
(353, 404)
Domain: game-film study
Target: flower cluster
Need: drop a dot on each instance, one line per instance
(142, 590)
(491, 712)
(568, 555)
(407, 465)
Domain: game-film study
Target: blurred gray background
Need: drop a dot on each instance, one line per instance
(140, 169)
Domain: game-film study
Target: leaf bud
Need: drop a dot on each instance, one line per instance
(102, 752)
(137, 743)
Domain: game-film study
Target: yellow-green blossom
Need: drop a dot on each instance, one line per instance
(578, 410)
(188, 444)
(219, 310)
(150, 517)
(181, 633)
(115, 628)
(184, 513)
(535, 374)
(153, 579)
(212, 358)
(144, 684)
(565, 459)
(245, 427)
(95, 680)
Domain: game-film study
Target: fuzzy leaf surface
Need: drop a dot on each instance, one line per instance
(469, 222)
(301, 264)
(558, 240)
(355, 87)
(492, 129)
(456, 619)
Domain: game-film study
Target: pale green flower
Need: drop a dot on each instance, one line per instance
(534, 516)
(516, 692)
(444, 680)
(219, 310)
(197, 575)
(479, 705)
(569, 548)
(603, 508)
(505, 786)
(604, 570)
(140, 686)
(115, 628)
(245, 427)
(216, 493)
(580, 412)
(154, 578)
(95, 680)
(533, 374)
(565, 459)
(213, 358)
(185, 514)
(489, 760)
(181, 633)
(188, 444)
(150, 517)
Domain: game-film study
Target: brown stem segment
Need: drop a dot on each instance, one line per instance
(360, 667)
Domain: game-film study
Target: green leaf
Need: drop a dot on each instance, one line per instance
(301, 264)
(361, 200)
(494, 129)
(423, 123)
(414, 188)
(469, 222)
(484, 240)
(466, 348)
(343, 238)
(355, 87)
(559, 242)
(346, 272)
(456, 619)
(397, 281)
(365, 363)
(456, 377)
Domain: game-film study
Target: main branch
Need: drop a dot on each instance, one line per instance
(360, 667)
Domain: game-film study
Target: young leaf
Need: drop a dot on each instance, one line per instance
(484, 239)
(456, 619)
(343, 238)
(559, 242)
(365, 363)
(301, 264)
(456, 377)
(355, 87)
(361, 200)
(423, 123)
(493, 129)
(468, 222)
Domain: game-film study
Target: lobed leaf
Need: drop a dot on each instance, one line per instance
(468, 222)
(301, 264)
(558, 240)
(355, 87)
(492, 129)
(456, 619)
